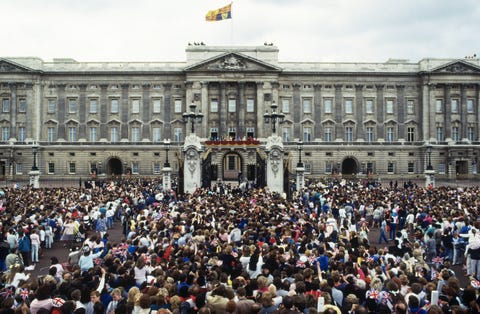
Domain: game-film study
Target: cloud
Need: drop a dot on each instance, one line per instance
(305, 30)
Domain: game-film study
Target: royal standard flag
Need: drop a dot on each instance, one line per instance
(219, 14)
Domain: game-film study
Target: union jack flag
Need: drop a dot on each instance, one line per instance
(372, 294)
(300, 264)
(7, 292)
(384, 297)
(475, 283)
(437, 260)
(24, 293)
(58, 302)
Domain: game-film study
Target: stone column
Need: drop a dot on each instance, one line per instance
(401, 111)
(242, 108)
(61, 111)
(223, 103)
(338, 112)
(124, 112)
(13, 110)
(447, 112)
(380, 111)
(297, 111)
(82, 111)
(317, 110)
(205, 106)
(167, 109)
(103, 111)
(37, 109)
(463, 113)
(425, 112)
(260, 130)
(146, 111)
(359, 112)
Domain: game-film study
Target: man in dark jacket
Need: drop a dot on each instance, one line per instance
(24, 247)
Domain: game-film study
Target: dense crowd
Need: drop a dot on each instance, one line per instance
(225, 250)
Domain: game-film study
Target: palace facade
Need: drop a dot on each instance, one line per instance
(111, 118)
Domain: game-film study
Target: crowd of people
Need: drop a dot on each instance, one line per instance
(226, 250)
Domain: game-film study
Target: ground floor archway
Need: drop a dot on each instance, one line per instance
(114, 167)
(349, 166)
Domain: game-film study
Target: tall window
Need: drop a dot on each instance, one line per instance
(439, 134)
(232, 105)
(328, 167)
(369, 106)
(72, 168)
(51, 168)
(157, 104)
(51, 134)
(470, 106)
(135, 167)
(348, 106)
(135, 134)
(410, 106)
(135, 105)
(19, 167)
(72, 134)
(52, 105)
(114, 106)
(114, 134)
(178, 105)
(438, 105)
(285, 105)
(370, 134)
(250, 132)
(389, 106)
(327, 105)
(93, 105)
(471, 133)
(391, 167)
(22, 134)
(22, 105)
(72, 105)
(454, 105)
(410, 134)
(286, 134)
(214, 134)
(214, 105)
(411, 167)
(455, 134)
(250, 105)
(156, 168)
(93, 134)
(348, 134)
(5, 133)
(6, 105)
(390, 134)
(307, 105)
(307, 134)
(177, 135)
(327, 134)
(156, 134)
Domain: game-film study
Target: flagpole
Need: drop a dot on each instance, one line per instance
(231, 29)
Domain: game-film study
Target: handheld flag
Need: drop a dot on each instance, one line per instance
(219, 14)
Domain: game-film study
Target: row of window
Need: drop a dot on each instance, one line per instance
(6, 105)
(454, 105)
(21, 134)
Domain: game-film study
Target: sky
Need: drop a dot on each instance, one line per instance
(303, 30)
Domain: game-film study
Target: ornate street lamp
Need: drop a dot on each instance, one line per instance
(192, 116)
(166, 145)
(429, 154)
(35, 151)
(299, 148)
(274, 117)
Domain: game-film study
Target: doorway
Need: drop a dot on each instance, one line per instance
(114, 167)
(349, 166)
(232, 167)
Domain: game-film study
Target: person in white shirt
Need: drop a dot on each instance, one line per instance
(16, 275)
(35, 243)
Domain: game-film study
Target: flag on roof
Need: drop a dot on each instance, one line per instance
(219, 14)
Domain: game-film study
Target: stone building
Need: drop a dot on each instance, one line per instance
(111, 118)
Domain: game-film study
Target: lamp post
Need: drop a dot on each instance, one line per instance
(300, 169)
(274, 117)
(35, 151)
(167, 170)
(34, 173)
(192, 116)
(166, 145)
(429, 172)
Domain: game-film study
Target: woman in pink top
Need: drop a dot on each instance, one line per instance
(35, 241)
